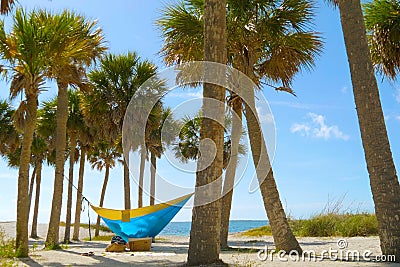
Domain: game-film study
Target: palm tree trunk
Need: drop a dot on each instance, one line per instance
(382, 172)
(231, 170)
(37, 197)
(143, 156)
(204, 244)
(72, 141)
(31, 183)
(283, 235)
(103, 193)
(153, 168)
(78, 206)
(23, 178)
(127, 186)
(52, 239)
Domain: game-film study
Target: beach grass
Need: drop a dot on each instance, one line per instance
(328, 225)
(7, 250)
(100, 238)
(92, 226)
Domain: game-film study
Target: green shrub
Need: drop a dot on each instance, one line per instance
(7, 246)
(326, 225)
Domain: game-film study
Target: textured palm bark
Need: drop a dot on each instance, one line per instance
(102, 196)
(153, 169)
(382, 172)
(204, 244)
(52, 239)
(283, 236)
(23, 178)
(230, 174)
(37, 198)
(127, 184)
(78, 206)
(143, 157)
(67, 234)
(31, 183)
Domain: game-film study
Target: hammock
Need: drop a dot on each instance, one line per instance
(142, 222)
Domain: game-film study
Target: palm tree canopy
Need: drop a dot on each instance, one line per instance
(103, 154)
(9, 137)
(187, 147)
(275, 37)
(113, 84)
(382, 20)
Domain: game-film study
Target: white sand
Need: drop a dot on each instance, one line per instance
(172, 251)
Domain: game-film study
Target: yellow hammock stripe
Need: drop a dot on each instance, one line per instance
(120, 214)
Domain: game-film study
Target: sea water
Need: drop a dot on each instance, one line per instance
(183, 228)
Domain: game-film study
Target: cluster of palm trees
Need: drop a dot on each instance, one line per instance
(269, 41)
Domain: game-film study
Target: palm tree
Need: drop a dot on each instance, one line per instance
(74, 124)
(266, 41)
(206, 219)
(86, 137)
(79, 44)
(382, 23)
(382, 172)
(160, 136)
(6, 6)
(114, 84)
(26, 49)
(9, 137)
(103, 155)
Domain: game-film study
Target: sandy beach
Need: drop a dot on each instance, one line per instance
(172, 251)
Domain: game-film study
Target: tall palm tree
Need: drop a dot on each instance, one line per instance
(86, 137)
(6, 6)
(382, 172)
(382, 20)
(160, 136)
(114, 84)
(80, 42)
(103, 155)
(270, 41)
(206, 219)
(74, 124)
(26, 50)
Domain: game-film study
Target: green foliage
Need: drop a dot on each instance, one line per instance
(7, 246)
(382, 19)
(326, 225)
(100, 238)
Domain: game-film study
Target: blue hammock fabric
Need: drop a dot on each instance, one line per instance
(143, 222)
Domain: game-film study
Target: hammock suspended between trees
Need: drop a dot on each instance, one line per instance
(142, 222)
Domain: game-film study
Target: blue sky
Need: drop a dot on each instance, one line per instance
(318, 155)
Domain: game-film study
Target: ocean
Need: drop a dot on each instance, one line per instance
(183, 228)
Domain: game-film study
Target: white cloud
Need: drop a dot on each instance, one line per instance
(344, 89)
(398, 117)
(398, 96)
(317, 128)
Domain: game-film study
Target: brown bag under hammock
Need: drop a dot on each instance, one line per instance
(115, 247)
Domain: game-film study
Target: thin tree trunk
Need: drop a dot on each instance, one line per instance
(204, 244)
(78, 206)
(103, 193)
(153, 168)
(67, 234)
(382, 172)
(143, 157)
(31, 183)
(37, 197)
(231, 170)
(127, 186)
(52, 239)
(283, 235)
(23, 178)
